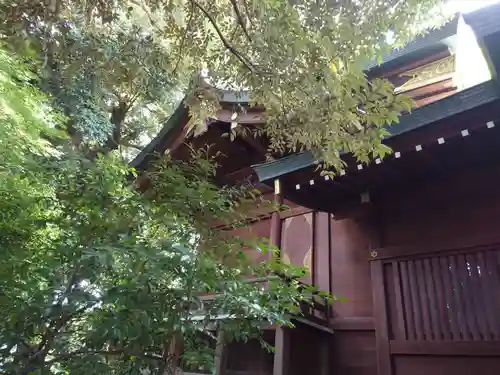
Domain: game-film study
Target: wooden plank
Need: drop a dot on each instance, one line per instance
(321, 252)
(431, 89)
(407, 302)
(423, 299)
(434, 98)
(446, 348)
(313, 278)
(495, 267)
(384, 365)
(433, 302)
(275, 236)
(415, 64)
(452, 308)
(247, 118)
(400, 308)
(415, 301)
(467, 298)
(220, 354)
(265, 213)
(478, 305)
(296, 211)
(493, 282)
(460, 311)
(467, 244)
(353, 324)
(440, 300)
(325, 355)
(486, 294)
(282, 351)
(276, 223)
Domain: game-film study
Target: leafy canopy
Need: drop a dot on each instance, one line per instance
(117, 67)
(97, 277)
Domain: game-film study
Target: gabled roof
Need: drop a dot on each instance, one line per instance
(176, 120)
(484, 22)
(422, 45)
(166, 132)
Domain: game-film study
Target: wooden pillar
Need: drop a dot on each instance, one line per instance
(275, 236)
(220, 354)
(384, 365)
(282, 335)
(325, 354)
(282, 358)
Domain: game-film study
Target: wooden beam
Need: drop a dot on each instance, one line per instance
(255, 144)
(325, 355)
(263, 214)
(384, 365)
(220, 354)
(446, 348)
(282, 343)
(275, 236)
(241, 175)
(296, 211)
(353, 324)
(416, 64)
(432, 89)
(472, 243)
(314, 323)
(245, 118)
(434, 98)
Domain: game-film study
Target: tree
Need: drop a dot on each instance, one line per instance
(114, 67)
(97, 277)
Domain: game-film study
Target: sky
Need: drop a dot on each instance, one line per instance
(466, 6)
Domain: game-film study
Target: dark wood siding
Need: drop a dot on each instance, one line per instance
(440, 264)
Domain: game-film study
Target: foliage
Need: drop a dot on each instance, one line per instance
(98, 277)
(116, 67)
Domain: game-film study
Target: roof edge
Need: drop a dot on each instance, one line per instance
(458, 103)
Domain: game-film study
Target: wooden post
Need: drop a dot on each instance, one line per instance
(282, 351)
(220, 354)
(325, 354)
(384, 365)
(275, 236)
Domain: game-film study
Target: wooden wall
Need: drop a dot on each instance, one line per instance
(392, 321)
(436, 276)
(459, 206)
(256, 231)
(250, 358)
(458, 210)
(353, 343)
(340, 266)
(307, 353)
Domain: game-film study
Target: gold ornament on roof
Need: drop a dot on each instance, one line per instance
(424, 75)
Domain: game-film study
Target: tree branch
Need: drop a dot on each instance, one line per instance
(247, 11)
(241, 21)
(223, 39)
(183, 40)
(144, 7)
(117, 117)
(101, 352)
(55, 325)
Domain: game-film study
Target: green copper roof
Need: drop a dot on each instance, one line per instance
(453, 105)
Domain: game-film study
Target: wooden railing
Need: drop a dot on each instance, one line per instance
(318, 310)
